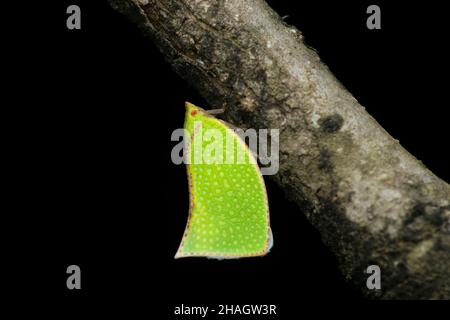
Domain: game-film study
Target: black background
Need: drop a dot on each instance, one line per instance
(93, 113)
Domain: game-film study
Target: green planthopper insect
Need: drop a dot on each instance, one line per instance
(229, 211)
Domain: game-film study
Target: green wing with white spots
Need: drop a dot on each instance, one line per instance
(229, 212)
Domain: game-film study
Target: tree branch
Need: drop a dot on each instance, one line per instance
(371, 200)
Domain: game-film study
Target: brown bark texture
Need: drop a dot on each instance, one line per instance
(373, 202)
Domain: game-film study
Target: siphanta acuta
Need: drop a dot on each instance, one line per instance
(229, 212)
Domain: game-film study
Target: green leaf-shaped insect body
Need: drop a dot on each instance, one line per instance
(229, 212)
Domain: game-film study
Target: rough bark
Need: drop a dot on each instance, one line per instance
(372, 202)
